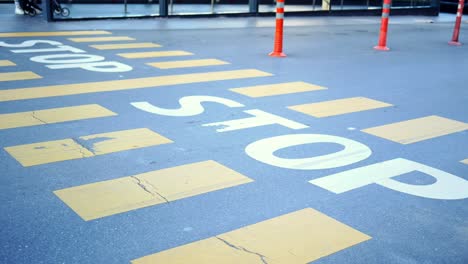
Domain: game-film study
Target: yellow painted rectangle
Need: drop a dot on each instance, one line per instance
(339, 107)
(124, 140)
(154, 54)
(299, 237)
(52, 34)
(48, 152)
(54, 115)
(101, 199)
(6, 63)
(187, 63)
(100, 39)
(108, 86)
(87, 146)
(418, 129)
(125, 46)
(17, 76)
(277, 89)
(465, 161)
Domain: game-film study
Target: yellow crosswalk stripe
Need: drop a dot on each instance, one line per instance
(299, 237)
(6, 63)
(108, 86)
(418, 129)
(100, 39)
(54, 115)
(125, 46)
(339, 107)
(99, 144)
(53, 33)
(154, 54)
(18, 76)
(277, 89)
(187, 63)
(465, 161)
(101, 199)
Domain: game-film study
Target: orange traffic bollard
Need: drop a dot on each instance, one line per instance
(456, 30)
(384, 27)
(278, 48)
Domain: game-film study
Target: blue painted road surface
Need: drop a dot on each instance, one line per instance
(170, 143)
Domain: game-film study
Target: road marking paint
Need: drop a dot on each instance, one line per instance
(100, 39)
(99, 144)
(465, 161)
(18, 76)
(125, 140)
(277, 89)
(48, 152)
(101, 199)
(6, 63)
(154, 54)
(187, 63)
(52, 34)
(108, 86)
(54, 115)
(125, 46)
(339, 107)
(299, 237)
(418, 129)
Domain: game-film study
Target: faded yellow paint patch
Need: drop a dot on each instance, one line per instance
(339, 107)
(68, 149)
(125, 46)
(48, 152)
(299, 237)
(54, 115)
(17, 76)
(277, 89)
(101, 199)
(418, 129)
(108, 86)
(4, 63)
(100, 39)
(187, 63)
(125, 140)
(465, 161)
(154, 54)
(52, 34)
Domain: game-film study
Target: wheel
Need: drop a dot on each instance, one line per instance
(32, 12)
(58, 11)
(65, 12)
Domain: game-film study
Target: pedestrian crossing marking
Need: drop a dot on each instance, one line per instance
(99, 144)
(154, 54)
(124, 140)
(109, 86)
(125, 46)
(53, 115)
(418, 129)
(4, 63)
(187, 63)
(465, 161)
(18, 76)
(299, 237)
(100, 39)
(101, 199)
(53, 33)
(277, 89)
(339, 107)
(48, 152)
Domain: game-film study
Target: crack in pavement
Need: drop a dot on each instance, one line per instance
(262, 257)
(33, 115)
(83, 147)
(142, 185)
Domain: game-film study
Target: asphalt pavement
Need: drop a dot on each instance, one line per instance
(182, 141)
